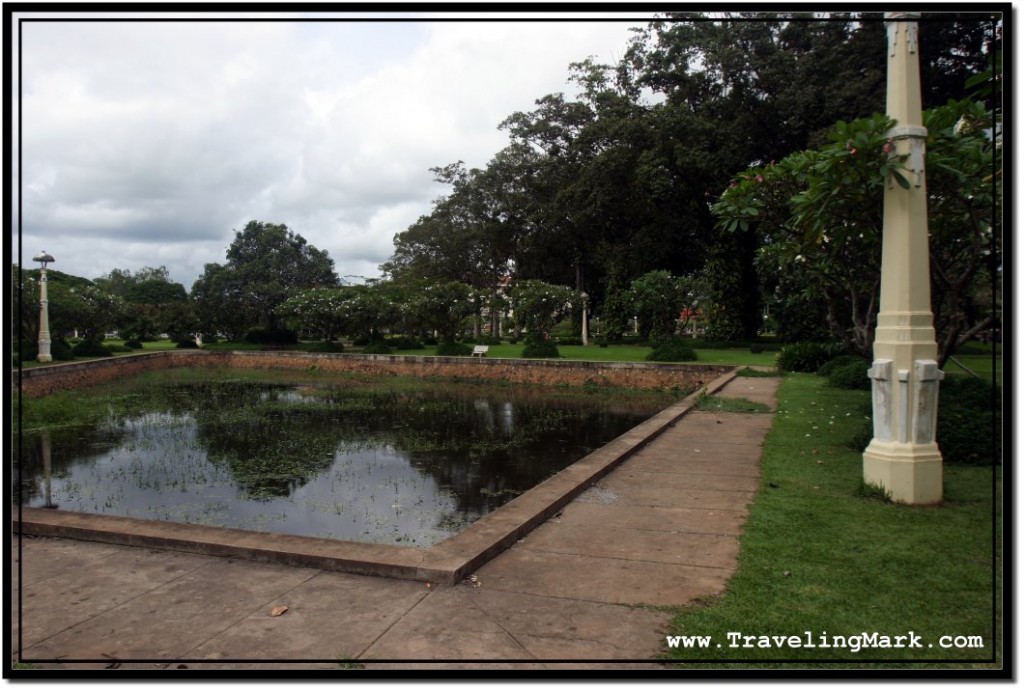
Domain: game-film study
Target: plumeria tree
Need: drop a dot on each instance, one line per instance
(819, 213)
(324, 311)
(537, 306)
(441, 306)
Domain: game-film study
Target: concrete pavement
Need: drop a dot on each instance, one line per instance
(588, 588)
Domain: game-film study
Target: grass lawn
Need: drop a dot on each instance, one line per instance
(820, 553)
(624, 353)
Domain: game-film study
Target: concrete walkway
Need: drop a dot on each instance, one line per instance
(587, 589)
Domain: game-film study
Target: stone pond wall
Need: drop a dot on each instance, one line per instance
(44, 380)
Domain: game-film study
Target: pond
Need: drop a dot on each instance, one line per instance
(381, 461)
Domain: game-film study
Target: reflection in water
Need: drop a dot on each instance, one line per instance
(351, 462)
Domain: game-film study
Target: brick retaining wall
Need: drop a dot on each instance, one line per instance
(43, 380)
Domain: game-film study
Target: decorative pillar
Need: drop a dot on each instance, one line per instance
(903, 458)
(44, 315)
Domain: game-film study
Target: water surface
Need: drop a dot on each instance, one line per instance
(353, 460)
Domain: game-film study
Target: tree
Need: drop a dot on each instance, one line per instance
(266, 264)
(537, 306)
(155, 303)
(440, 306)
(324, 311)
(658, 300)
(819, 213)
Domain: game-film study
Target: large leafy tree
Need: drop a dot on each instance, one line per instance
(265, 265)
(154, 303)
(819, 213)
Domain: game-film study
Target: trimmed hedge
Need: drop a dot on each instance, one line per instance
(454, 349)
(806, 357)
(672, 350)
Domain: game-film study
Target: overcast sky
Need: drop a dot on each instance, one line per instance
(147, 143)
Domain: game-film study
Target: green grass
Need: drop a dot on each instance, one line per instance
(622, 353)
(981, 365)
(819, 553)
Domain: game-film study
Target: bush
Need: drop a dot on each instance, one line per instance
(133, 344)
(60, 350)
(840, 361)
(969, 427)
(570, 340)
(115, 348)
(489, 340)
(672, 350)
(541, 349)
(186, 343)
(377, 348)
(29, 350)
(261, 336)
(454, 349)
(90, 349)
(756, 348)
(852, 375)
(403, 343)
(806, 357)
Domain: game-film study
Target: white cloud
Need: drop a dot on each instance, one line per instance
(148, 143)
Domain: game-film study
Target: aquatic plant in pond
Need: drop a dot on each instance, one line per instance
(360, 460)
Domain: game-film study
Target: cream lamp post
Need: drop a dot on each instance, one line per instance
(44, 316)
(903, 458)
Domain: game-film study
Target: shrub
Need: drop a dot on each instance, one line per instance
(756, 348)
(672, 350)
(133, 344)
(403, 343)
(90, 349)
(806, 357)
(570, 340)
(278, 336)
(454, 349)
(60, 350)
(968, 428)
(186, 343)
(376, 348)
(115, 348)
(841, 361)
(540, 349)
(29, 350)
(489, 340)
(852, 375)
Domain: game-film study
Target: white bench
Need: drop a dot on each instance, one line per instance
(480, 350)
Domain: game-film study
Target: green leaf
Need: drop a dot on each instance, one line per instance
(903, 182)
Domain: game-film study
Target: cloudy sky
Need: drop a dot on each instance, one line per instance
(147, 143)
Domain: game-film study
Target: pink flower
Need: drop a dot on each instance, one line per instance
(760, 178)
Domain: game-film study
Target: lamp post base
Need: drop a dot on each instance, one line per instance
(909, 473)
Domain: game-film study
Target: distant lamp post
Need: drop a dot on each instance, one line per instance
(903, 458)
(585, 335)
(44, 316)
